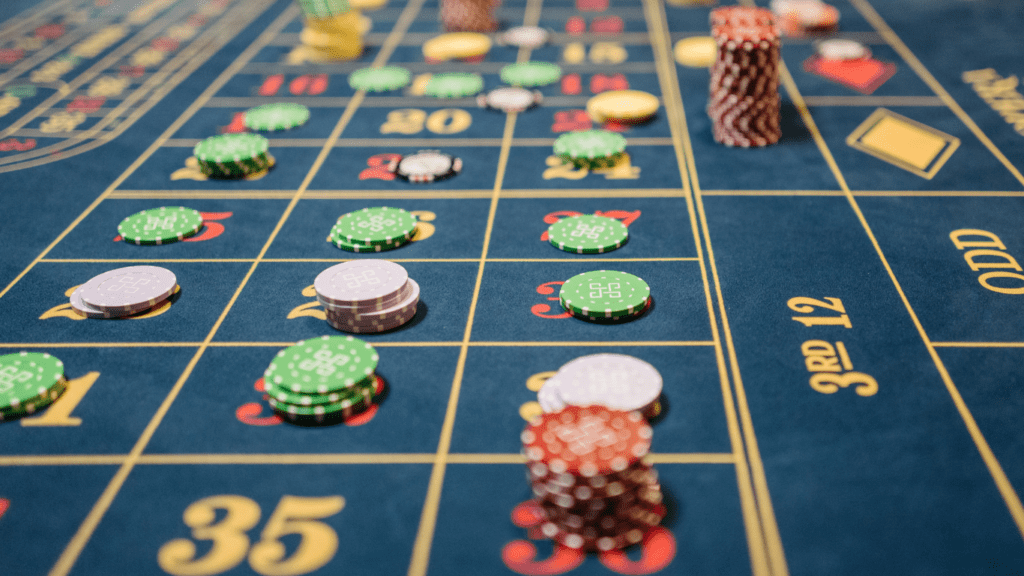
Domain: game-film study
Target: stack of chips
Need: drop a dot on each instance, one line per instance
(615, 381)
(323, 379)
(743, 100)
(367, 296)
(124, 292)
(333, 31)
(234, 155)
(587, 474)
(605, 296)
(468, 15)
(373, 230)
(29, 382)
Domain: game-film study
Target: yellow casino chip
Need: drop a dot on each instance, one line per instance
(622, 106)
(456, 45)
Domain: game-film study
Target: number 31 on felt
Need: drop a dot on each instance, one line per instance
(231, 544)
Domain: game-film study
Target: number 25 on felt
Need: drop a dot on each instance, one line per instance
(294, 515)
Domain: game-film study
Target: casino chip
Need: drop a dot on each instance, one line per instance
(588, 234)
(454, 84)
(273, 117)
(625, 106)
(426, 166)
(160, 225)
(509, 99)
(124, 292)
(390, 227)
(590, 148)
(605, 294)
(615, 381)
(525, 37)
(531, 74)
(362, 296)
(233, 155)
(588, 479)
(323, 378)
(29, 382)
(456, 45)
(841, 49)
(380, 78)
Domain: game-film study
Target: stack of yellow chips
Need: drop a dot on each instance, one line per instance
(333, 31)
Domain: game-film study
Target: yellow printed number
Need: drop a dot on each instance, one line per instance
(530, 410)
(414, 120)
(231, 544)
(424, 228)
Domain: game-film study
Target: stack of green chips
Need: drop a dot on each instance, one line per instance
(325, 378)
(29, 382)
(590, 149)
(233, 155)
(373, 230)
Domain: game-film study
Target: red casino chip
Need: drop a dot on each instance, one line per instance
(588, 440)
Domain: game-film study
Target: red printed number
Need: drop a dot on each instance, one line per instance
(378, 167)
(571, 120)
(15, 145)
(211, 229)
(86, 104)
(571, 84)
(541, 310)
(591, 5)
(603, 82)
(250, 412)
(4, 505)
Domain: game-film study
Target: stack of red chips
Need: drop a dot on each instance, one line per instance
(743, 100)
(468, 15)
(586, 471)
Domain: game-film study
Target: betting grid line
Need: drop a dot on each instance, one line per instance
(879, 24)
(773, 539)
(995, 469)
(78, 542)
(757, 540)
(287, 16)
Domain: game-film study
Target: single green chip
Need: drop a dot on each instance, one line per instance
(590, 148)
(588, 234)
(160, 225)
(359, 392)
(35, 405)
(454, 85)
(531, 74)
(233, 155)
(604, 293)
(322, 365)
(280, 116)
(21, 91)
(375, 226)
(27, 378)
(380, 79)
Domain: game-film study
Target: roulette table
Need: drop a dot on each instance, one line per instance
(837, 317)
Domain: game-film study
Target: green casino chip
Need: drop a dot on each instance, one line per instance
(454, 84)
(360, 391)
(380, 79)
(375, 226)
(160, 225)
(233, 155)
(604, 294)
(348, 406)
(531, 74)
(281, 116)
(590, 148)
(588, 234)
(28, 379)
(36, 405)
(363, 248)
(322, 365)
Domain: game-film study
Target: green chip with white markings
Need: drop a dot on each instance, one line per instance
(35, 405)
(531, 74)
(590, 148)
(454, 85)
(160, 225)
(27, 380)
(233, 155)
(588, 234)
(604, 294)
(359, 392)
(279, 116)
(360, 248)
(380, 78)
(375, 226)
(322, 365)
